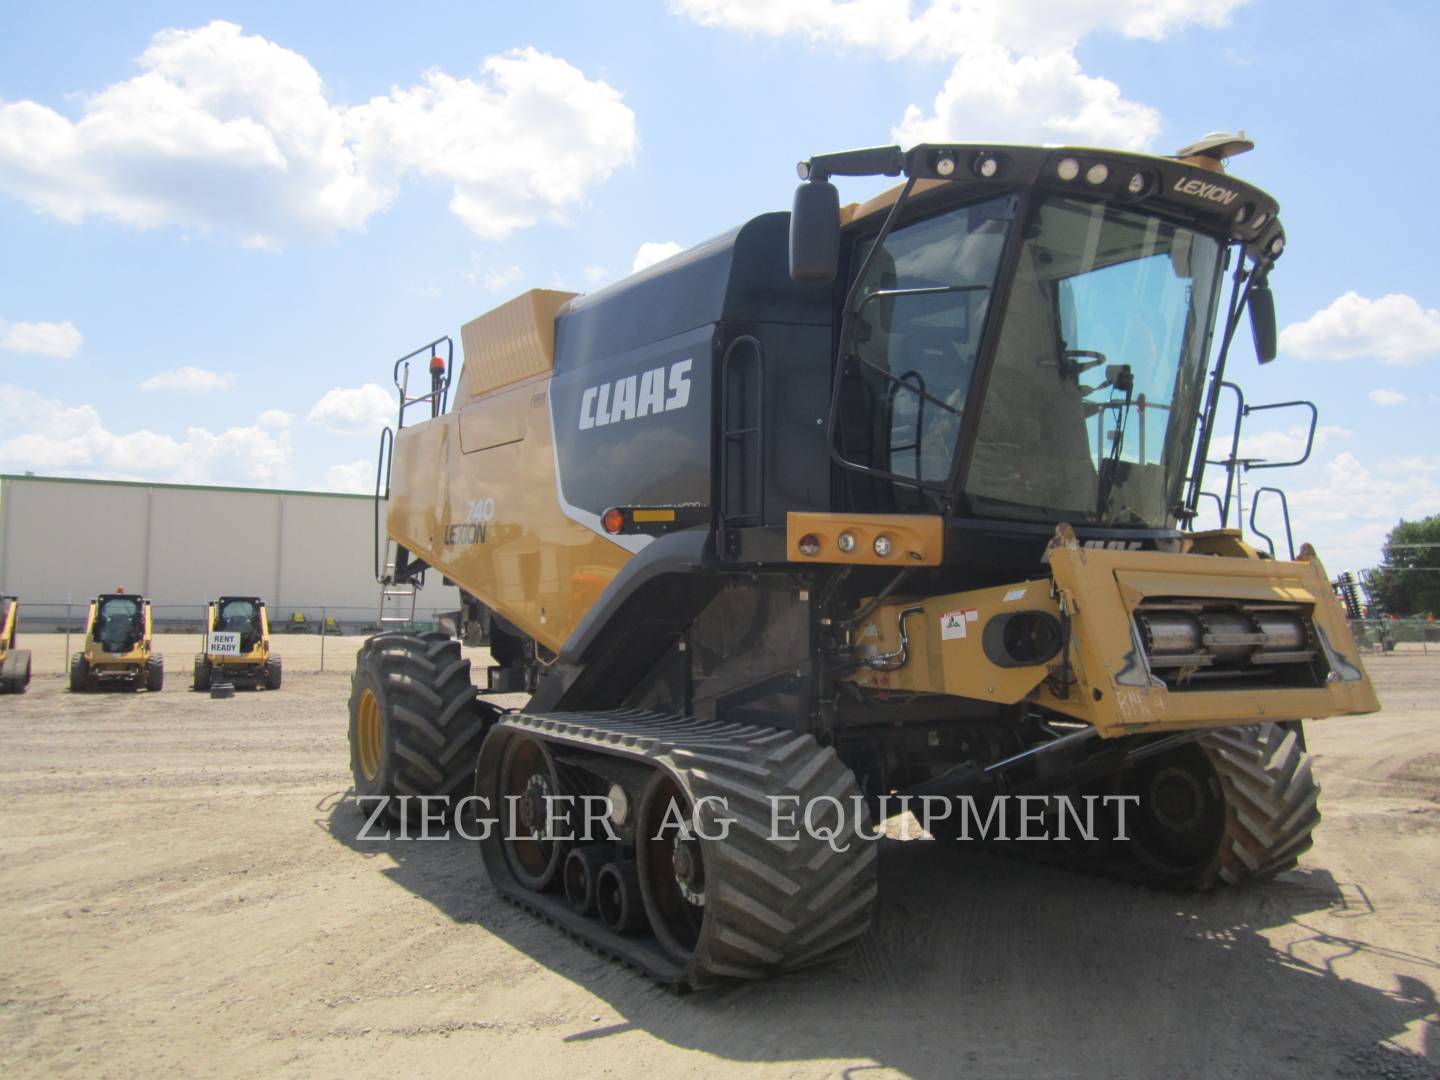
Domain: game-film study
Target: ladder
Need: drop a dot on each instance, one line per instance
(397, 599)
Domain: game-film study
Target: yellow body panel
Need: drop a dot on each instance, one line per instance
(1100, 590)
(512, 342)
(490, 518)
(917, 539)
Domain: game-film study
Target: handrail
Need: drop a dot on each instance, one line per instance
(756, 427)
(382, 471)
(439, 394)
(1285, 515)
(1219, 505)
(1309, 438)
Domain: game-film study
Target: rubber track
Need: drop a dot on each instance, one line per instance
(771, 905)
(1271, 801)
(1271, 796)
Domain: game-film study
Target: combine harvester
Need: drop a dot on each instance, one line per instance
(853, 502)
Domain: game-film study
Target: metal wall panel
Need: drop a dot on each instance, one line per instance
(182, 545)
(70, 539)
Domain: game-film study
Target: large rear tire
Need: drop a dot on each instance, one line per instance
(273, 673)
(415, 722)
(155, 674)
(202, 673)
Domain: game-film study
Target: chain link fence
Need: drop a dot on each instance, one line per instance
(1397, 635)
(305, 635)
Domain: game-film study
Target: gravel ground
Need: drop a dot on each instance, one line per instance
(185, 892)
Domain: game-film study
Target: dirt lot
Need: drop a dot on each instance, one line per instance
(184, 892)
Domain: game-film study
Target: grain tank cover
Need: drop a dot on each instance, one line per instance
(512, 342)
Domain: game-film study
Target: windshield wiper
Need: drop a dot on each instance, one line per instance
(1110, 468)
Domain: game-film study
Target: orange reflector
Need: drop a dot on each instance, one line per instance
(614, 520)
(652, 515)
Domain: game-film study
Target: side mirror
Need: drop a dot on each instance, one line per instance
(1262, 321)
(815, 233)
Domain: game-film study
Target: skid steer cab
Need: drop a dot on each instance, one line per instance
(14, 663)
(237, 646)
(117, 648)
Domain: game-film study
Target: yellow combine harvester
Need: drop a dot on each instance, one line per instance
(14, 663)
(851, 504)
(237, 646)
(117, 647)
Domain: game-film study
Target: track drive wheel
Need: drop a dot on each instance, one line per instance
(155, 673)
(273, 673)
(415, 723)
(1238, 804)
(202, 673)
(528, 786)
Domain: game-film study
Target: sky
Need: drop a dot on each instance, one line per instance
(221, 223)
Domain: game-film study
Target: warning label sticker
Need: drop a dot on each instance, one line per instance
(953, 624)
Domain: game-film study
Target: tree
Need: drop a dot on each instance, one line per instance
(1409, 581)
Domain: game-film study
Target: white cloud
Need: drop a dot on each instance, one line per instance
(1014, 75)
(652, 252)
(359, 410)
(274, 419)
(41, 433)
(994, 95)
(190, 380)
(235, 134)
(1394, 329)
(495, 278)
(357, 478)
(949, 26)
(595, 275)
(41, 338)
(1384, 396)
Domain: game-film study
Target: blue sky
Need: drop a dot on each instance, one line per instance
(220, 223)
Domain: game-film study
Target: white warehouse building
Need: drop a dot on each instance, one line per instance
(67, 540)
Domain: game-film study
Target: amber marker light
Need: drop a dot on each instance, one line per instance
(613, 520)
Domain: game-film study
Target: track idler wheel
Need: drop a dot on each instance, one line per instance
(617, 897)
(582, 868)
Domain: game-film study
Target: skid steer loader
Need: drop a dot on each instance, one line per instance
(117, 648)
(846, 504)
(14, 663)
(237, 646)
